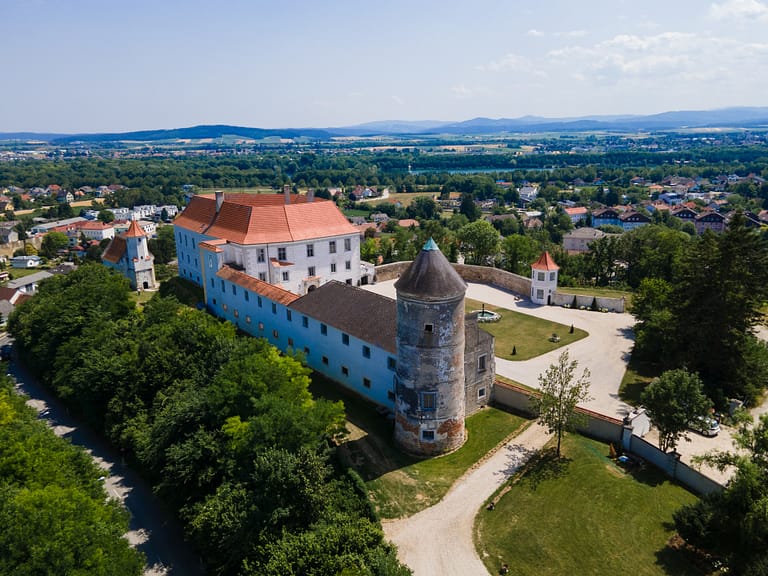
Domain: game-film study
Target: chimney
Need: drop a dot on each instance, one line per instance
(310, 194)
(219, 200)
(287, 193)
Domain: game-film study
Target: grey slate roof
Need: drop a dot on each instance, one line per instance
(431, 277)
(361, 314)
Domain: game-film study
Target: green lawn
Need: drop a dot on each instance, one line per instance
(401, 485)
(636, 378)
(585, 515)
(527, 335)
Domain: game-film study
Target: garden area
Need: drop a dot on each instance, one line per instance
(521, 336)
(584, 514)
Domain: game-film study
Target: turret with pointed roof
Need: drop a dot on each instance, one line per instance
(429, 382)
(543, 279)
(129, 254)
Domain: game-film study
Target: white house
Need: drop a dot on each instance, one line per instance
(287, 240)
(97, 230)
(25, 261)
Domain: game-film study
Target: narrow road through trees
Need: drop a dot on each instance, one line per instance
(153, 530)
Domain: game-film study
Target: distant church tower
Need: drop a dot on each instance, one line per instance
(543, 279)
(129, 254)
(429, 401)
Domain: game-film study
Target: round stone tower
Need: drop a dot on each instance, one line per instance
(429, 383)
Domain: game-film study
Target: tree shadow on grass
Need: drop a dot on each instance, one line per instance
(544, 465)
(679, 558)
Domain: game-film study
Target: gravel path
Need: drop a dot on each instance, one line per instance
(438, 541)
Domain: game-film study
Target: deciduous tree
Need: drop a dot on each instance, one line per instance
(561, 392)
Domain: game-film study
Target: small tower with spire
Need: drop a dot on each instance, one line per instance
(429, 382)
(129, 254)
(543, 279)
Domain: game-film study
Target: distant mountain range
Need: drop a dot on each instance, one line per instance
(742, 117)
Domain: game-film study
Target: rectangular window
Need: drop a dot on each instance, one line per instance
(540, 294)
(333, 267)
(275, 334)
(274, 308)
(261, 326)
(247, 295)
(390, 395)
(260, 255)
(323, 329)
(234, 290)
(366, 352)
(325, 360)
(347, 244)
(428, 328)
(247, 319)
(310, 250)
(367, 382)
(286, 276)
(311, 271)
(428, 401)
(258, 301)
(263, 276)
(290, 342)
(481, 363)
(225, 307)
(306, 350)
(427, 434)
(213, 285)
(481, 393)
(345, 339)
(551, 275)
(288, 315)
(540, 276)
(305, 322)
(222, 286)
(236, 313)
(391, 363)
(345, 371)
(281, 255)
(332, 247)
(348, 265)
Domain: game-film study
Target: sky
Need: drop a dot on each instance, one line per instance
(81, 66)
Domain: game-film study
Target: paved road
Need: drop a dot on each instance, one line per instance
(438, 541)
(153, 530)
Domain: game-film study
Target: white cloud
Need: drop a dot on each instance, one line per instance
(507, 62)
(535, 33)
(739, 9)
(461, 92)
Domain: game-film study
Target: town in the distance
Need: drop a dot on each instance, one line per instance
(489, 347)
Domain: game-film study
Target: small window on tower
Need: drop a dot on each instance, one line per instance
(428, 401)
(429, 328)
(428, 435)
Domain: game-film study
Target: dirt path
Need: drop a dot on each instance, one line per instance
(438, 541)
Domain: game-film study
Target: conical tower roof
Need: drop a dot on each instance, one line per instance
(431, 277)
(545, 262)
(134, 230)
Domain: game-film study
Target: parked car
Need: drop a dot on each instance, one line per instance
(5, 351)
(705, 425)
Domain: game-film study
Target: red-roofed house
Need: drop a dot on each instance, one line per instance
(577, 213)
(287, 240)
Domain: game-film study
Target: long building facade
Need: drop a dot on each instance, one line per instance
(348, 334)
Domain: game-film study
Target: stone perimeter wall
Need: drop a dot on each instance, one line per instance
(506, 281)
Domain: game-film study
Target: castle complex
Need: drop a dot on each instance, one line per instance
(420, 356)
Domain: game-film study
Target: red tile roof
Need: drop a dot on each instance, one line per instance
(576, 210)
(263, 218)
(274, 293)
(545, 262)
(115, 250)
(134, 230)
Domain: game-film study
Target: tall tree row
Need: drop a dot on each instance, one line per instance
(223, 426)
